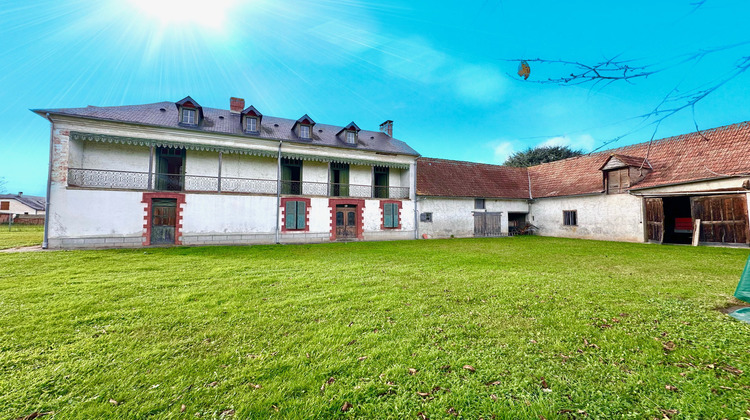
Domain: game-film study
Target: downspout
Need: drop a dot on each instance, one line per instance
(45, 240)
(416, 201)
(278, 191)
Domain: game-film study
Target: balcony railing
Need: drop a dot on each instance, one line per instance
(108, 179)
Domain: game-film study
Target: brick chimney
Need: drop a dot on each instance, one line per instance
(20, 193)
(236, 105)
(387, 128)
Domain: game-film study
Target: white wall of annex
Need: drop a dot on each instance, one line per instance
(455, 216)
(614, 217)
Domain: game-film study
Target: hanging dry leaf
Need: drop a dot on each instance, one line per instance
(423, 394)
(256, 386)
(669, 346)
(421, 416)
(213, 384)
(544, 382)
(470, 368)
(346, 407)
(494, 397)
(331, 380)
(113, 401)
(351, 342)
(183, 408)
(227, 413)
(493, 383)
(362, 358)
(671, 388)
(412, 371)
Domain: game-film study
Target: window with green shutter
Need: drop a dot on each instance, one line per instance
(390, 215)
(295, 215)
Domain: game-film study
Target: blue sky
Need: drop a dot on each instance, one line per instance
(436, 68)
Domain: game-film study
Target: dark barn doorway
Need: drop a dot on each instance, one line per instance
(678, 221)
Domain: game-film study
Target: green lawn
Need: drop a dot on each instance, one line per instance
(20, 235)
(551, 327)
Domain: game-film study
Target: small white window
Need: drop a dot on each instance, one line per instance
(351, 137)
(252, 124)
(304, 131)
(188, 116)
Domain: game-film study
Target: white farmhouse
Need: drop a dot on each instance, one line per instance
(178, 173)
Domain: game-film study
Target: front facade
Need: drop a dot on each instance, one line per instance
(178, 173)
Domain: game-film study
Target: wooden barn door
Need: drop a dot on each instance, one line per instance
(488, 224)
(655, 219)
(723, 218)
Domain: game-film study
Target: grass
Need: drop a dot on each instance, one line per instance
(552, 328)
(20, 235)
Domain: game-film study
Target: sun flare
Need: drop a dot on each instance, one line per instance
(209, 14)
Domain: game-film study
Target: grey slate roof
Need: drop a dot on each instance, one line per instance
(36, 203)
(164, 114)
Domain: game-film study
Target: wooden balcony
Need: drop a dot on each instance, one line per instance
(145, 181)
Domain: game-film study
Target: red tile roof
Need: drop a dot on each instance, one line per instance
(715, 153)
(451, 178)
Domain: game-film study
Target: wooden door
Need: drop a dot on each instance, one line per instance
(723, 218)
(488, 224)
(346, 222)
(163, 221)
(655, 219)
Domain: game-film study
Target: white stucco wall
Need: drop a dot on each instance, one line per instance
(110, 156)
(615, 217)
(455, 216)
(235, 165)
(222, 214)
(82, 213)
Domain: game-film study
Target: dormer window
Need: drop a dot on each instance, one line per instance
(251, 119)
(304, 131)
(189, 112)
(621, 172)
(303, 127)
(188, 116)
(349, 134)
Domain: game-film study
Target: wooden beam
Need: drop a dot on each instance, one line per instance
(696, 231)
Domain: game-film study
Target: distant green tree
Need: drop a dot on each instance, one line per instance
(542, 154)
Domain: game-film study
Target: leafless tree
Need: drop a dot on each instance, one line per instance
(617, 70)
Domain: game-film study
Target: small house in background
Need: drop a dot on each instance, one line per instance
(23, 208)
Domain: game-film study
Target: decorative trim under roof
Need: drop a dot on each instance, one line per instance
(105, 138)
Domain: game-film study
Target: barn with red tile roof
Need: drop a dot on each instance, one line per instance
(660, 191)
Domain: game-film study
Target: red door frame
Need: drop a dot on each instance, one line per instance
(148, 200)
(360, 209)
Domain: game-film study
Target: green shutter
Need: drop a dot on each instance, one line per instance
(291, 214)
(301, 214)
(388, 215)
(344, 181)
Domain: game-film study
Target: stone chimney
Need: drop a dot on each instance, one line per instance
(387, 128)
(236, 105)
